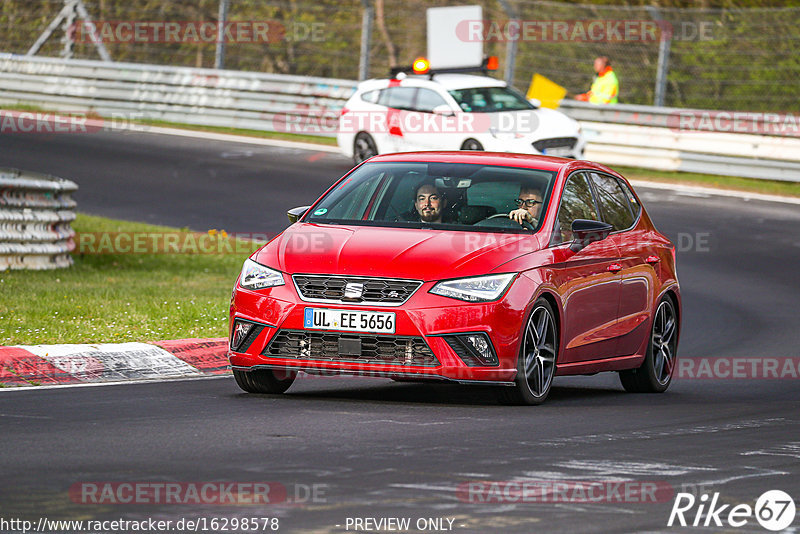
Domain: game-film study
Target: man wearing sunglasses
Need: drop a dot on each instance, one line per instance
(529, 204)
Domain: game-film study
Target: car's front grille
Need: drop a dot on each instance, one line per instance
(361, 348)
(379, 291)
(555, 142)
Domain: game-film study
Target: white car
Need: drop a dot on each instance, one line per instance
(451, 112)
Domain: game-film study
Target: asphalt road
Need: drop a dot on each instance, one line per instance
(374, 448)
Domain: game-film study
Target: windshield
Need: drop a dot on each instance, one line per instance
(458, 196)
(490, 99)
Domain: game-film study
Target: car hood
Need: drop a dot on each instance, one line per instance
(392, 252)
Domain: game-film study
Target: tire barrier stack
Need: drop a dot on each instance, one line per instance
(35, 215)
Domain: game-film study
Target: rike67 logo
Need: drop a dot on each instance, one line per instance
(774, 510)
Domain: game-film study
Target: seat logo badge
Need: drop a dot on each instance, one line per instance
(353, 291)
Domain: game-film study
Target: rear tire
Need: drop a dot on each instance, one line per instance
(655, 373)
(471, 144)
(536, 363)
(264, 380)
(364, 147)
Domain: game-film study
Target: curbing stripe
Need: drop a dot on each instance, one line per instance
(112, 362)
(21, 367)
(210, 356)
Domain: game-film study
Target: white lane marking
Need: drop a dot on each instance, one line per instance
(415, 423)
(704, 192)
(117, 383)
(610, 467)
(113, 361)
(645, 434)
(231, 138)
(792, 450)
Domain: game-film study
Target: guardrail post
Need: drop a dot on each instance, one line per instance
(664, 45)
(222, 19)
(366, 38)
(511, 46)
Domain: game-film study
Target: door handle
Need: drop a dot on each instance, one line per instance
(615, 268)
(652, 259)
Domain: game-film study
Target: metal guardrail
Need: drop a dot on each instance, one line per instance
(640, 136)
(209, 97)
(656, 138)
(35, 215)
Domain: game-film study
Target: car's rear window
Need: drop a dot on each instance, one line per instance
(468, 196)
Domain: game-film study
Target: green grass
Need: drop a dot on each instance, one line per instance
(120, 297)
(769, 187)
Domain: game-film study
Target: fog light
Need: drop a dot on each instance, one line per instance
(240, 331)
(475, 350)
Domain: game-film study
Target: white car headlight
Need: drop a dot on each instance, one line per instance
(256, 276)
(476, 289)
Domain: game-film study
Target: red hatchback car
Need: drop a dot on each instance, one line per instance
(472, 267)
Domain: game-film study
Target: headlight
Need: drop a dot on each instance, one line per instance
(477, 289)
(256, 276)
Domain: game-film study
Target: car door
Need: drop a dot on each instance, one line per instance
(588, 280)
(638, 259)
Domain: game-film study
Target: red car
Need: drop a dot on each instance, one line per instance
(471, 267)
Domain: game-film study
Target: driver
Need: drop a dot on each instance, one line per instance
(530, 203)
(430, 203)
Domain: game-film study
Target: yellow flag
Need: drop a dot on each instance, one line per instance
(547, 91)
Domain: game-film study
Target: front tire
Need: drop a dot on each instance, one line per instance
(364, 147)
(655, 373)
(264, 380)
(536, 363)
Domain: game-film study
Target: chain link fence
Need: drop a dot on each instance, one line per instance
(732, 59)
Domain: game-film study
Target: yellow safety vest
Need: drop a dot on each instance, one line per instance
(605, 88)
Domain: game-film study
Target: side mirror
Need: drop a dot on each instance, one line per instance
(535, 102)
(294, 214)
(586, 231)
(443, 109)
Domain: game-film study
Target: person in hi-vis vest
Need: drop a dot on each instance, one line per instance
(605, 87)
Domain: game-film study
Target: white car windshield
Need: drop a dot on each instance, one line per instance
(456, 196)
(489, 99)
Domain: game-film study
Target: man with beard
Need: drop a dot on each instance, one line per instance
(430, 203)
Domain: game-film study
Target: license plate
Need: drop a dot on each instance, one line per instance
(349, 320)
(559, 151)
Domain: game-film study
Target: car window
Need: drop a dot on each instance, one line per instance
(613, 201)
(635, 206)
(384, 193)
(397, 97)
(489, 99)
(576, 203)
(354, 202)
(371, 96)
(427, 99)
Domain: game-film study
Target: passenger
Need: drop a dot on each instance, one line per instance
(530, 203)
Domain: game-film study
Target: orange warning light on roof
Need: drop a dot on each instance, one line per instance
(492, 63)
(421, 65)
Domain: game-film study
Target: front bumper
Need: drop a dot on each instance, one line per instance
(425, 317)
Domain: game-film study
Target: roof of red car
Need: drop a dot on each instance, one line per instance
(547, 163)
